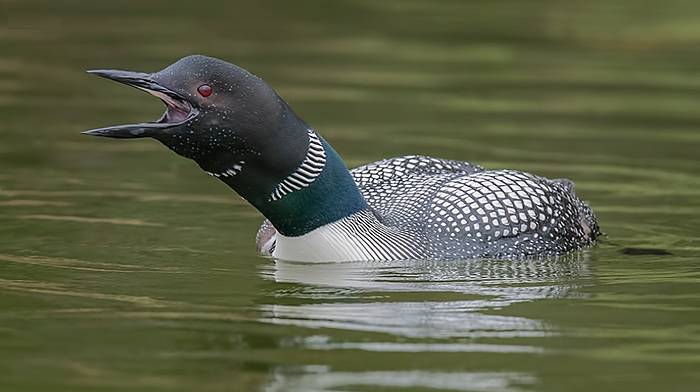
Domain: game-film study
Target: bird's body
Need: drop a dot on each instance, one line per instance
(424, 207)
(240, 131)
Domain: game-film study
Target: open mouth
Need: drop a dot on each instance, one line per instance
(178, 110)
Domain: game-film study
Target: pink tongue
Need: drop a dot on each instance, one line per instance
(175, 112)
(175, 115)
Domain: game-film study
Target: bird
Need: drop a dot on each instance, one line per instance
(240, 131)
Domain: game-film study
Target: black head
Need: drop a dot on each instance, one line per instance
(220, 115)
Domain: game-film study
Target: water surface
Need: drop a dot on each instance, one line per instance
(124, 267)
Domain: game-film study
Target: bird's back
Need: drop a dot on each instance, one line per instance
(463, 211)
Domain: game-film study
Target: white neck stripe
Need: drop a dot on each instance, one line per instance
(235, 169)
(306, 173)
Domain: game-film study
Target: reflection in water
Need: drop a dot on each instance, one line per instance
(320, 379)
(434, 319)
(421, 306)
(319, 342)
(379, 291)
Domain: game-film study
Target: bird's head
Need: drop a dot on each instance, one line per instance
(239, 130)
(218, 114)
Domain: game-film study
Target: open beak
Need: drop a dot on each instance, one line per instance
(178, 110)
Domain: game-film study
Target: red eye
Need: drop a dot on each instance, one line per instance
(204, 90)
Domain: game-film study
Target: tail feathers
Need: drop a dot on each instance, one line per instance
(589, 221)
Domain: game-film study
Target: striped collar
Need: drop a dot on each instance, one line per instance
(306, 173)
(235, 169)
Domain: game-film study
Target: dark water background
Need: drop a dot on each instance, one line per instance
(124, 267)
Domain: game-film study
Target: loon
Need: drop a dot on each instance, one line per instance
(240, 131)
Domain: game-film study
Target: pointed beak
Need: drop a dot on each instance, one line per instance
(178, 109)
(135, 79)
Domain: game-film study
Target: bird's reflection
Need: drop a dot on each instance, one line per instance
(320, 378)
(414, 307)
(450, 299)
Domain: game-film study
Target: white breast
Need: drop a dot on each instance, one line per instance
(359, 237)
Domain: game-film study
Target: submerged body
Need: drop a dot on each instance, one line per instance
(431, 208)
(240, 131)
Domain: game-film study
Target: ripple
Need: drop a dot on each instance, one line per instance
(59, 289)
(138, 195)
(368, 296)
(83, 219)
(385, 347)
(321, 379)
(409, 319)
(32, 203)
(76, 264)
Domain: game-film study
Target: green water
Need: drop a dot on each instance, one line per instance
(124, 267)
